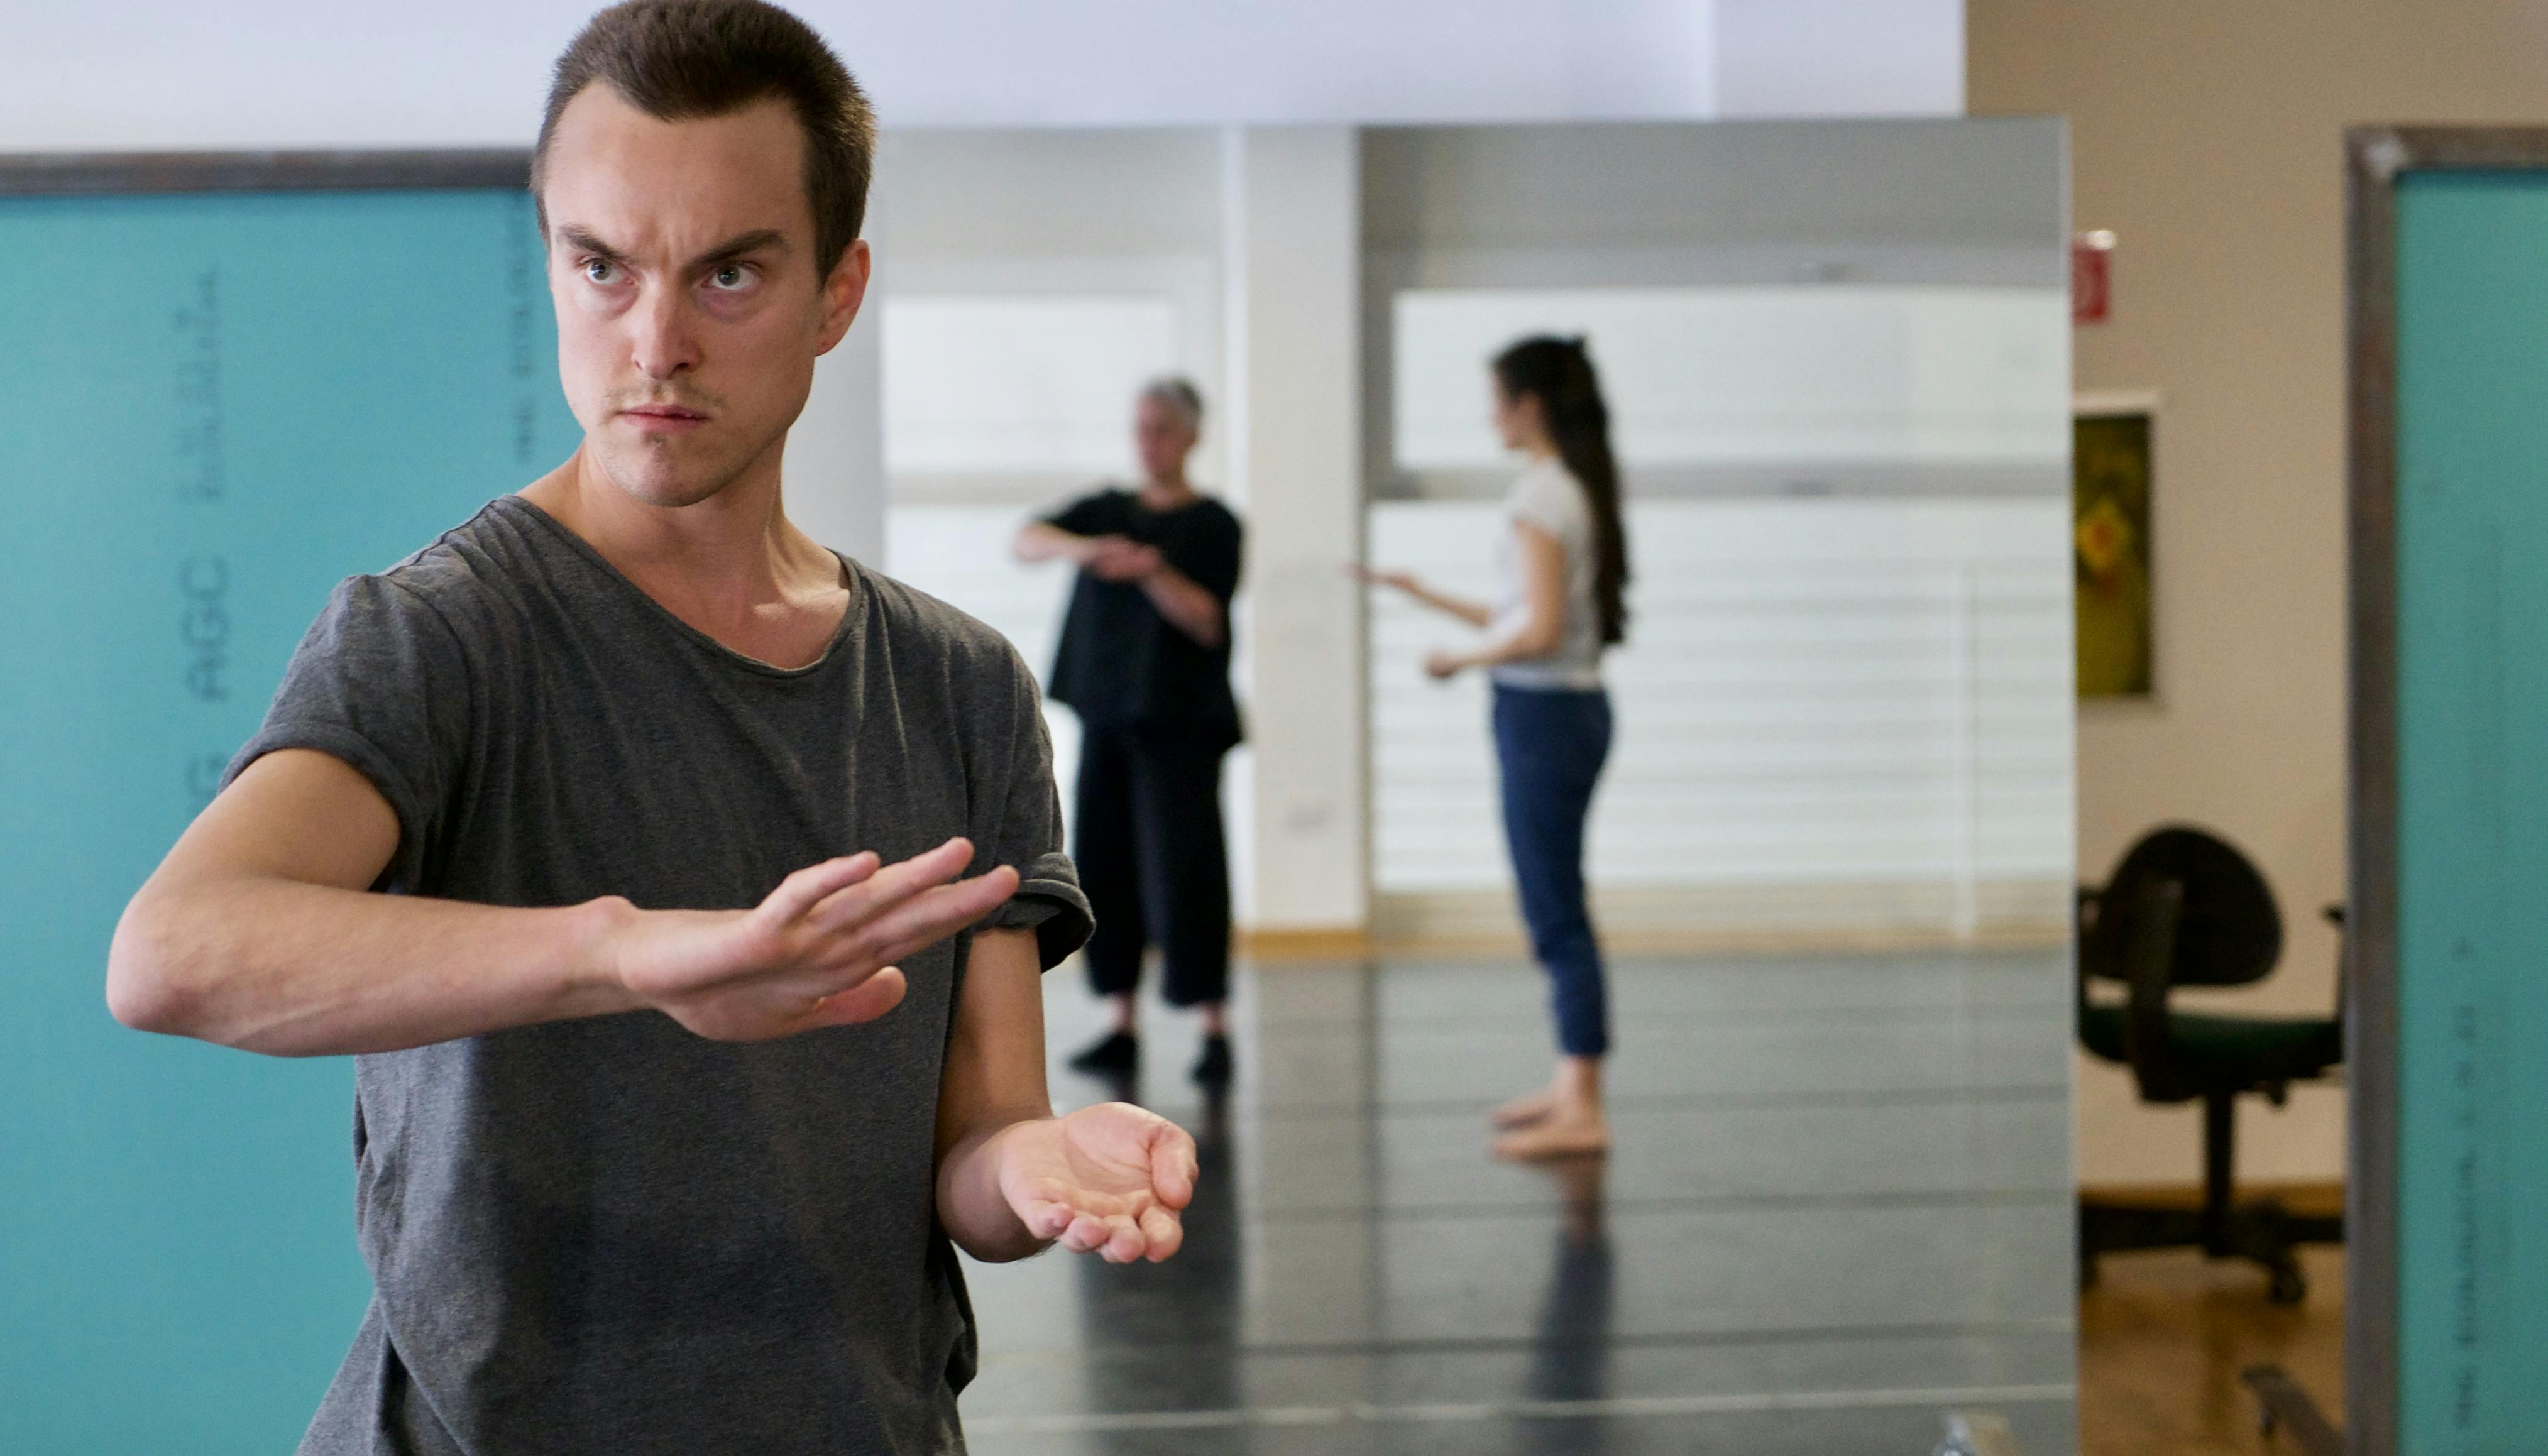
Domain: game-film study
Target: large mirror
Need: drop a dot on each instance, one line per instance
(1830, 853)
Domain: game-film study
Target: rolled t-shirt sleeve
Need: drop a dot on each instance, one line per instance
(1025, 832)
(380, 682)
(1550, 499)
(1212, 557)
(1092, 514)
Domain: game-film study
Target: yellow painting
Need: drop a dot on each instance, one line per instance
(2110, 538)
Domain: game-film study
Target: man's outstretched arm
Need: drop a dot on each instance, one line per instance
(1012, 1177)
(258, 931)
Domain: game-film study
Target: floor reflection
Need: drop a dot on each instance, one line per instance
(1838, 1206)
(1570, 1361)
(1185, 1311)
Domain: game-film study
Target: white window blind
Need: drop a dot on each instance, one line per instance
(1845, 694)
(1854, 705)
(1735, 376)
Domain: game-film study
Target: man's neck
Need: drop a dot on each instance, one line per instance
(731, 566)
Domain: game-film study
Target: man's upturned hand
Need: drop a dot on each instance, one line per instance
(819, 951)
(1109, 1180)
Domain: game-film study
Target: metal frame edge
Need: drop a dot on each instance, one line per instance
(2375, 159)
(106, 174)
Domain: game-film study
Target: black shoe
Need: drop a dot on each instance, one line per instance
(1112, 1055)
(1213, 1068)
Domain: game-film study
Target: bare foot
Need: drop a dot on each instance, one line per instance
(1521, 1112)
(1556, 1136)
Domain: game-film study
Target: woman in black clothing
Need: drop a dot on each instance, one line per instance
(1144, 660)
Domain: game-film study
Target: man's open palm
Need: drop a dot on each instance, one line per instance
(1108, 1180)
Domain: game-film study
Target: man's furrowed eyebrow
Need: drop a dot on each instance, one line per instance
(584, 242)
(738, 246)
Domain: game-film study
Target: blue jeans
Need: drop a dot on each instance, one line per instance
(1551, 744)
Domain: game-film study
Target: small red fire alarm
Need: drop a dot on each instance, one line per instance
(2091, 276)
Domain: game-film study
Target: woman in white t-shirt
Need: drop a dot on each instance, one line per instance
(1564, 570)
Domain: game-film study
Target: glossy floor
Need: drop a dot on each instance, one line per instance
(1839, 1208)
(2164, 1335)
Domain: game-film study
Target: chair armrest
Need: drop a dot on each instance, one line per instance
(2149, 958)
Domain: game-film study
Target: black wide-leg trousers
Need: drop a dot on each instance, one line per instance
(1147, 839)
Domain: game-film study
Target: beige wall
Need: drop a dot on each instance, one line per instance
(2207, 135)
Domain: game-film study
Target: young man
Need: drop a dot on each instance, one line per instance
(701, 1008)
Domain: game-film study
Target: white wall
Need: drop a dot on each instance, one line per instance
(326, 74)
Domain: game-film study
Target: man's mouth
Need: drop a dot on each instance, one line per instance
(663, 416)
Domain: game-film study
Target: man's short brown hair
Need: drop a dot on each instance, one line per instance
(679, 60)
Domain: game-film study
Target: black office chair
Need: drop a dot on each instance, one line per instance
(2186, 909)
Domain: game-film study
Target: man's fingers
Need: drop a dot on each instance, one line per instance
(1161, 1232)
(1044, 1219)
(1173, 1168)
(1123, 1240)
(811, 885)
(929, 917)
(1085, 1234)
(1119, 1238)
(893, 883)
(864, 1002)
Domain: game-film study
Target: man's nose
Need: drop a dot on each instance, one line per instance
(661, 341)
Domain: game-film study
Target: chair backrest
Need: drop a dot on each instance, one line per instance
(2229, 933)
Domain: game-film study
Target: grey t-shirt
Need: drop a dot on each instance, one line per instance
(609, 1236)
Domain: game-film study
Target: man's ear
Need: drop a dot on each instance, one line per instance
(843, 294)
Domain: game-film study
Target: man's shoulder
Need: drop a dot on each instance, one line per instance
(473, 578)
(928, 626)
(482, 554)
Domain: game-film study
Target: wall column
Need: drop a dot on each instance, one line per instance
(834, 466)
(1292, 269)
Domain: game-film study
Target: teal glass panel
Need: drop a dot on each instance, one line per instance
(211, 408)
(2473, 812)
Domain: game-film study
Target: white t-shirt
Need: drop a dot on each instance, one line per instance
(1547, 496)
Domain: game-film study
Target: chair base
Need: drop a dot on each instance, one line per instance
(2262, 1232)
(2282, 1405)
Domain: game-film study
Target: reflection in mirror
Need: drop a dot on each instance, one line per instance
(1830, 852)
(1569, 1358)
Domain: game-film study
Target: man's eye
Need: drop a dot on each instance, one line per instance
(600, 271)
(730, 277)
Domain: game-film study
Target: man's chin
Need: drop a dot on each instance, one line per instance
(650, 478)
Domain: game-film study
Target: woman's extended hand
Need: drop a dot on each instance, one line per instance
(1441, 664)
(1373, 577)
(1108, 1180)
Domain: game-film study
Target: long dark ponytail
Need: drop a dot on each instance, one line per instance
(1558, 373)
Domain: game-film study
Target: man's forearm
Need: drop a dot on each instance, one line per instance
(295, 970)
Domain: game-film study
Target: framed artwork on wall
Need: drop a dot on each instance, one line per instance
(2111, 451)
